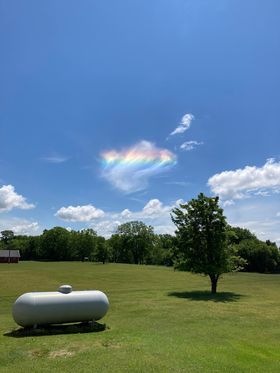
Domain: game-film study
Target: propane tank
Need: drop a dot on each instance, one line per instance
(58, 307)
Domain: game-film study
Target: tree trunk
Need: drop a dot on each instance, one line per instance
(214, 282)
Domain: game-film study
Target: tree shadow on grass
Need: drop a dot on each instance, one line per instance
(43, 330)
(222, 297)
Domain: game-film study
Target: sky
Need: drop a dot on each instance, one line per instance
(112, 111)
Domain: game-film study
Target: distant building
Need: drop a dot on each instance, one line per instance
(9, 256)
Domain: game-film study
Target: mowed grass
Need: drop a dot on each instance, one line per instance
(159, 321)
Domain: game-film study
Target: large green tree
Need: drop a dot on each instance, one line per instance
(135, 240)
(55, 244)
(202, 239)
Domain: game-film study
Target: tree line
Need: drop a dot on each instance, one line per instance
(200, 224)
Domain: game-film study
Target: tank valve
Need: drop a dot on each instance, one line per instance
(65, 289)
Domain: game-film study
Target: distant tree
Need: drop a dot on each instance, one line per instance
(7, 236)
(101, 251)
(33, 250)
(163, 251)
(236, 234)
(87, 243)
(134, 240)
(202, 241)
(260, 256)
(118, 252)
(55, 244)
(270, 243)
(20, 243)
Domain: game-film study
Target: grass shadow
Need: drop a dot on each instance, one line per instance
(44, 330)
(222, 297)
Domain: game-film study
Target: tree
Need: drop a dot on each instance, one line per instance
(133, 239)
(263, 257)
(7, 236)
(55, 244)
(163, 252)
(102, 250)
(236, 235)
(202, 241)
(88, 242)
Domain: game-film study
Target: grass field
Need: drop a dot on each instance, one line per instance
(159, 321)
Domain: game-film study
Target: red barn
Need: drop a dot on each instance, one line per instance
(9, 256)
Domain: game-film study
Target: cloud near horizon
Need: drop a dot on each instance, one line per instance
(9, 199)
(20, 226)
(84, 213)
(130, 169)
(153, 213)
(251, 180)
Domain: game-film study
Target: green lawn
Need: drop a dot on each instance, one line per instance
(159, 321)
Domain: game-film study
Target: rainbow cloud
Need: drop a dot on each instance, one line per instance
(130, 169)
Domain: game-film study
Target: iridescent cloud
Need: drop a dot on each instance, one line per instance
(130, 169)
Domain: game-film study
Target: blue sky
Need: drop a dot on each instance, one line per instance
(112, 111)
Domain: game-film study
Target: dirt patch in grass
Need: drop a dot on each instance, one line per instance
(38, 353)
(61, 353)
(109, 344)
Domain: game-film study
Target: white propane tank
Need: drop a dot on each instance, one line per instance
(58, 307)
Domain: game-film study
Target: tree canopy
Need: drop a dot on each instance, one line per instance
(136, 239)
(7, 236)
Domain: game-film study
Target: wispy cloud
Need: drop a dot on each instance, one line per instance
(184, 124)
(190, 145)
(130, 169)
(251, 180)
(10, 199)
(179, 183)
(55, 159)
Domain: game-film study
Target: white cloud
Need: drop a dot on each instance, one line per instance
(251, 180)
(180, 202)
(129, 170)
(154, 208)
(258, 215)
(79, 213)
(154, 213)
(228, 202)
(190, 145)
(9, 199)
(19, 226)
(165, 229)
(126, 213)
(278, 214)
(184, 124)
(106, 228)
